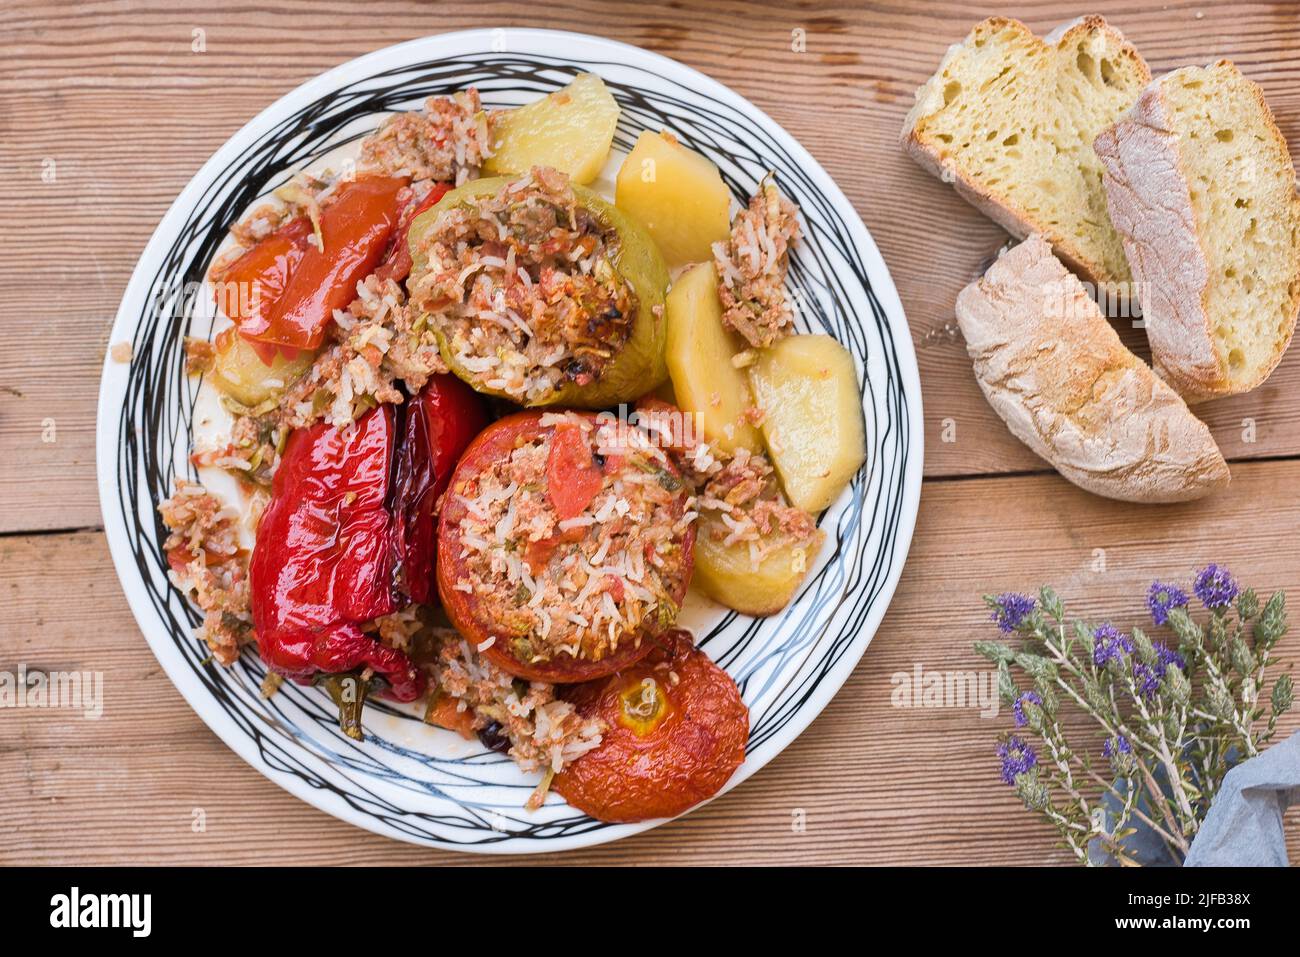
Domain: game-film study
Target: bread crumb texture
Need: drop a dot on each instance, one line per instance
(1010, 118)
(1203, 191)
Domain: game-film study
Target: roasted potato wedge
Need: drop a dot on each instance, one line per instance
(727, 574)
(569, 130)
(700, 352)
(678, 194)
(807, 392)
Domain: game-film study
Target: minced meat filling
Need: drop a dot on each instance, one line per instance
(448, 142)
(208, 565)
(744, 494)
(752, 267)
(738, 496)
(542, 731)
(578, 586)
(522, 285)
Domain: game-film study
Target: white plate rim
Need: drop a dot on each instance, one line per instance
(113, 379)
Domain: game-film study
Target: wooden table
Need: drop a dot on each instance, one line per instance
(113, 100)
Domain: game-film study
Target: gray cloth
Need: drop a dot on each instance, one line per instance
(1244, 826)
(1144, 845)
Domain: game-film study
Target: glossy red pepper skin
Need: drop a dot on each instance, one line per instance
(398, 264)
(441, 421)
(325, 561)
(355, 232)
(254, 283)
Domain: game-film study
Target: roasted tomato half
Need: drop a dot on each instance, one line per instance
(563, 545)
(676, 730)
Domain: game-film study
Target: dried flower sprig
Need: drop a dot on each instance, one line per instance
(1172, 718)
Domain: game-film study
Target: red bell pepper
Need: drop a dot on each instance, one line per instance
(325, 562)
(355, 233)
(398, 264)
(249, 288)
(440, 422)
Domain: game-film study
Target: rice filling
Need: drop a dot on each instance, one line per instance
(522, 285)
(581, 586)
(539, 731)
(752, 268)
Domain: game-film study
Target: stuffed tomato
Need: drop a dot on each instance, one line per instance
(564, 544)
(541, 292)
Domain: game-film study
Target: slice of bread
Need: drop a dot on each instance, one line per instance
(1203, 193)
(1054, 369)
(1010, 119)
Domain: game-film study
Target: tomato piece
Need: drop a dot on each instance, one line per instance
(441, 420)
(537, 554)
(670, 423)
(248, 289)
(676, 729)
(398, 264)
(324, 560)
(179, 558)
(255, 281)
(572, 476)
(444, 713)
(355, 230)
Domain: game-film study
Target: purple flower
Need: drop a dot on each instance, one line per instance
(1148, 677)
(1166, 656)
(1148, 681)
(1116, 745)
(1017, 758)
(1215, 586)
(1162, 598)
(1019, 707)
(1109, 642)
(1010, 610)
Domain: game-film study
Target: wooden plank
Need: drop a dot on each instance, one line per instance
(875, 784)
(126, 111)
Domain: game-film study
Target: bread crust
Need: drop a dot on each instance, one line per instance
(993, 203)
(1056, 372)
(1149, 199)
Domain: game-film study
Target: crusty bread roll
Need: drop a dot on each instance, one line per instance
(1203, 193)
(1054, 369)
(1010, 119)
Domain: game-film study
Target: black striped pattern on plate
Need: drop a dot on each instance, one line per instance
(406, 780)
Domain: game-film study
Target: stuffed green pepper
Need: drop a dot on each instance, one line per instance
(541, 292)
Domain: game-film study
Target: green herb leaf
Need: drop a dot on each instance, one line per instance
(1283, 695)
(994, 651)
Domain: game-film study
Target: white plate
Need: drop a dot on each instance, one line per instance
(408, 780)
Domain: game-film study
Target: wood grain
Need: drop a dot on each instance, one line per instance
(875, 784)
(118, 101)
(111, 97)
